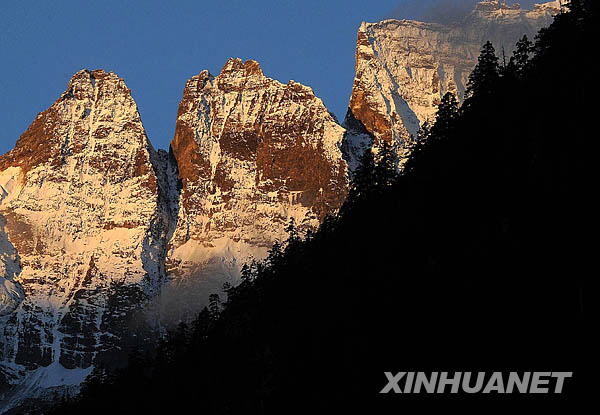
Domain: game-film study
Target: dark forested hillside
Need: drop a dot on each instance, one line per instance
(476, 258)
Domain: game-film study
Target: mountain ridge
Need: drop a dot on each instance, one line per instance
(82, 210)
(404, 67)
(100, 231)
(95, 222)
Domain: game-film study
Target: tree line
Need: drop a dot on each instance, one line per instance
(473, 258)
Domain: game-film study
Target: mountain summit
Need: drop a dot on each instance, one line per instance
(404, 67)
(82, 229)
(252, 154)
(100, 234)
(94, 221)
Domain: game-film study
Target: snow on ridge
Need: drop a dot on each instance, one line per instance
(89, 209)
(252, 138)
(404, 67)
(85, 228)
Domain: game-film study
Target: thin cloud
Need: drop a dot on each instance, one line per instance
(442, 11)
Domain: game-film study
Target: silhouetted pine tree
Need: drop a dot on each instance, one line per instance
(200, 327)
(445, 120)
(520, 60)
(214, 306)
(292, 231)
(473, 258)
(431, 147)
(385, 172)
(484, 77)
(363, 177)
(424, 132)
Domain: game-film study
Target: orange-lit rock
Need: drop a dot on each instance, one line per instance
(252, 153)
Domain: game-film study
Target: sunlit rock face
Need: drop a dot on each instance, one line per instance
(404, 67)
(252, 153)
(96, 226)
(82, 231)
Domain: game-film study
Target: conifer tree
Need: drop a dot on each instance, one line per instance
(214, 306)
(461, 212)
(292, 231)
(445, 120)
(200, 326)
(275, 255)
(424, 132)
(386, 166)
(363, 178)
(486, 73)
(519, 61)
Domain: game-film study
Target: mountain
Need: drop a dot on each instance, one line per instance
(83, 232)
(252, 153)
(475, 259)
(404, 67)
(96, 224)
(101, 235)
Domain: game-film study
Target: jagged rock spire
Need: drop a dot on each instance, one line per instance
(252, 152)
(81, 228)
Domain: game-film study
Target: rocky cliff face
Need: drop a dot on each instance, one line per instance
(93, 221)
(82, 232)
(95, 224)
(404, 67)
(252, 153)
